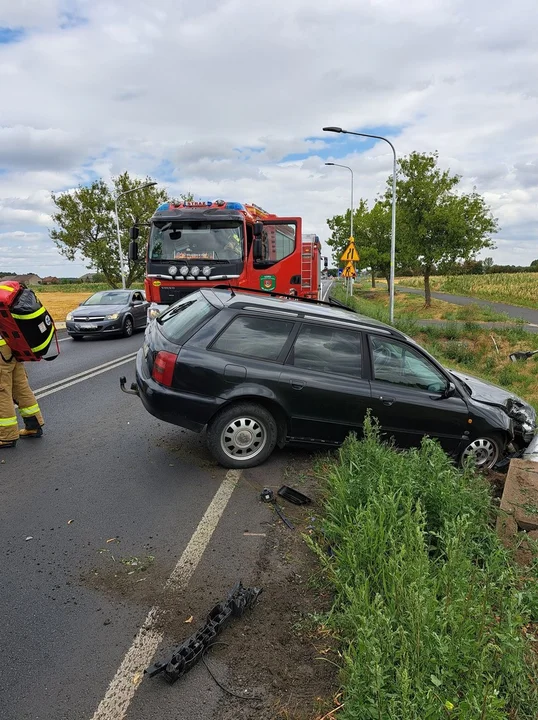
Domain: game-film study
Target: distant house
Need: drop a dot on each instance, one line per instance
(88, 278)
(50, 280)
(29, 279)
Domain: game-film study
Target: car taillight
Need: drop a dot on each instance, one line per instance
(163, 368)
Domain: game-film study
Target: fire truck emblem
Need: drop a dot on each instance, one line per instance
(268, 282)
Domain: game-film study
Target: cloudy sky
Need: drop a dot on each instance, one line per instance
(227, 98)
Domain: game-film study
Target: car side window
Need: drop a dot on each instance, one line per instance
(137, 296)
(327, 350)
(400, 364)
(262, 338)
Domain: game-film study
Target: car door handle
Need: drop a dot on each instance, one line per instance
(297, 384)
(386, 400)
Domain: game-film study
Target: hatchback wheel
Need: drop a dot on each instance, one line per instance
(242, 435)
(486, 452)
(128, 327)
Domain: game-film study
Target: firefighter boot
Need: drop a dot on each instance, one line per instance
(32, 428)
(7, 444)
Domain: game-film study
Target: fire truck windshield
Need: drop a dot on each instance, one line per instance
(179, 240)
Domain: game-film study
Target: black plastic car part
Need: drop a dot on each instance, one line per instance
(186, 655)
(293, 496)
(331, 303)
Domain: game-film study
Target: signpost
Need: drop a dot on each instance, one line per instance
(350, 256)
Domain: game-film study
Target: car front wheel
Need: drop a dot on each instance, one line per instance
(242, 435)
(128, 327)
(486, 451)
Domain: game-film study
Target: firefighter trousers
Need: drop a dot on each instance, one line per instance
(15, 390)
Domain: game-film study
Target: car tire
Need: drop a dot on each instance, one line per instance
(242, 435)
(128, 327)
(77, 337)
(487, 449)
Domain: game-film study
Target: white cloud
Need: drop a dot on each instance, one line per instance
(219, 93)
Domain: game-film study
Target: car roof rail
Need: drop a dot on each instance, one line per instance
(272, 293)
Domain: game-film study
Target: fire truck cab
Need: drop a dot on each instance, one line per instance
(193, 244)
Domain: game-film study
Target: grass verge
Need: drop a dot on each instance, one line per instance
(514, 289)
(429, 609)
(466, 346)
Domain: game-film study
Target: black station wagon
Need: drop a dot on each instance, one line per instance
(263, 370)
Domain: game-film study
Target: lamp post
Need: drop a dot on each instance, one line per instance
(351, 223)
(393, 224)
(120, 251)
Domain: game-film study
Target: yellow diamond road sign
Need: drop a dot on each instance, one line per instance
(350, 254)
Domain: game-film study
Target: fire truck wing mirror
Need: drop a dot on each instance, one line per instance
(257, 249)
(258, 229)
(134, 232)
(133, 251)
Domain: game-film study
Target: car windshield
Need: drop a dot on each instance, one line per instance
(215, 241)
(108, 298)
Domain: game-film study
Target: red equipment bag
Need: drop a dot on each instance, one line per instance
(25, 324)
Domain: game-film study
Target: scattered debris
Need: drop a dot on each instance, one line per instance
(112, 540)
(520, 355)
(249, 534)
(69, 522)
(192, 650)
(495, 343)
(268, 496)
(29, 537)
(293, 496)
(189, 619)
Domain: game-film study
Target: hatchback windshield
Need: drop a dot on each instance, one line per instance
(108, 298)
(215, 241)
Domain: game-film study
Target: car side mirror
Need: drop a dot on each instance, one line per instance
(133, 250)
(450, 390)
(258, 229)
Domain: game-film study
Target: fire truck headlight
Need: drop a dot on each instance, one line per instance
(184, 270)
(206, 270)
(195, 270)
(172, 270)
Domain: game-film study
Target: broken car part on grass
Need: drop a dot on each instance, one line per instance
(293, 496)
(191, 651)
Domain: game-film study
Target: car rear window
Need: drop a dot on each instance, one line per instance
(183, 317)
(254, 337)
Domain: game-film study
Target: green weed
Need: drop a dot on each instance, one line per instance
(429, 607)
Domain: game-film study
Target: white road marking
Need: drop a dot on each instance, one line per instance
(327, 291)
(79, 377)
(120, 692)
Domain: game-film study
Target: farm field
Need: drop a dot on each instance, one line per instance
(60, 299)
(514, 289)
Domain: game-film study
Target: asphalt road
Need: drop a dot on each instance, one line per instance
(515, 311)
(108, 471)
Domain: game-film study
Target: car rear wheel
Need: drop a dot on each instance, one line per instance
(486, 451)
(242, 435)
(128, 327)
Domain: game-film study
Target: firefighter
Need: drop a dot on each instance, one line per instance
(14, 389)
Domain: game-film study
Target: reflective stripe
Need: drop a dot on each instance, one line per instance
(2, 342)
(44, 344)
(6, 287)
(8, 422)
(29, 411)
(31, 316)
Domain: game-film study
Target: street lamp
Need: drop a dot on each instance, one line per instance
(125, 192)
(351, 223)
(393, 226)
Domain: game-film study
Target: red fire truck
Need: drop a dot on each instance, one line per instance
(203, 244)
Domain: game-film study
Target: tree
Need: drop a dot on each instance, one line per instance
(372, 232)
(487, 264)
(85, 223)
(434, 223)
(534, 264)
